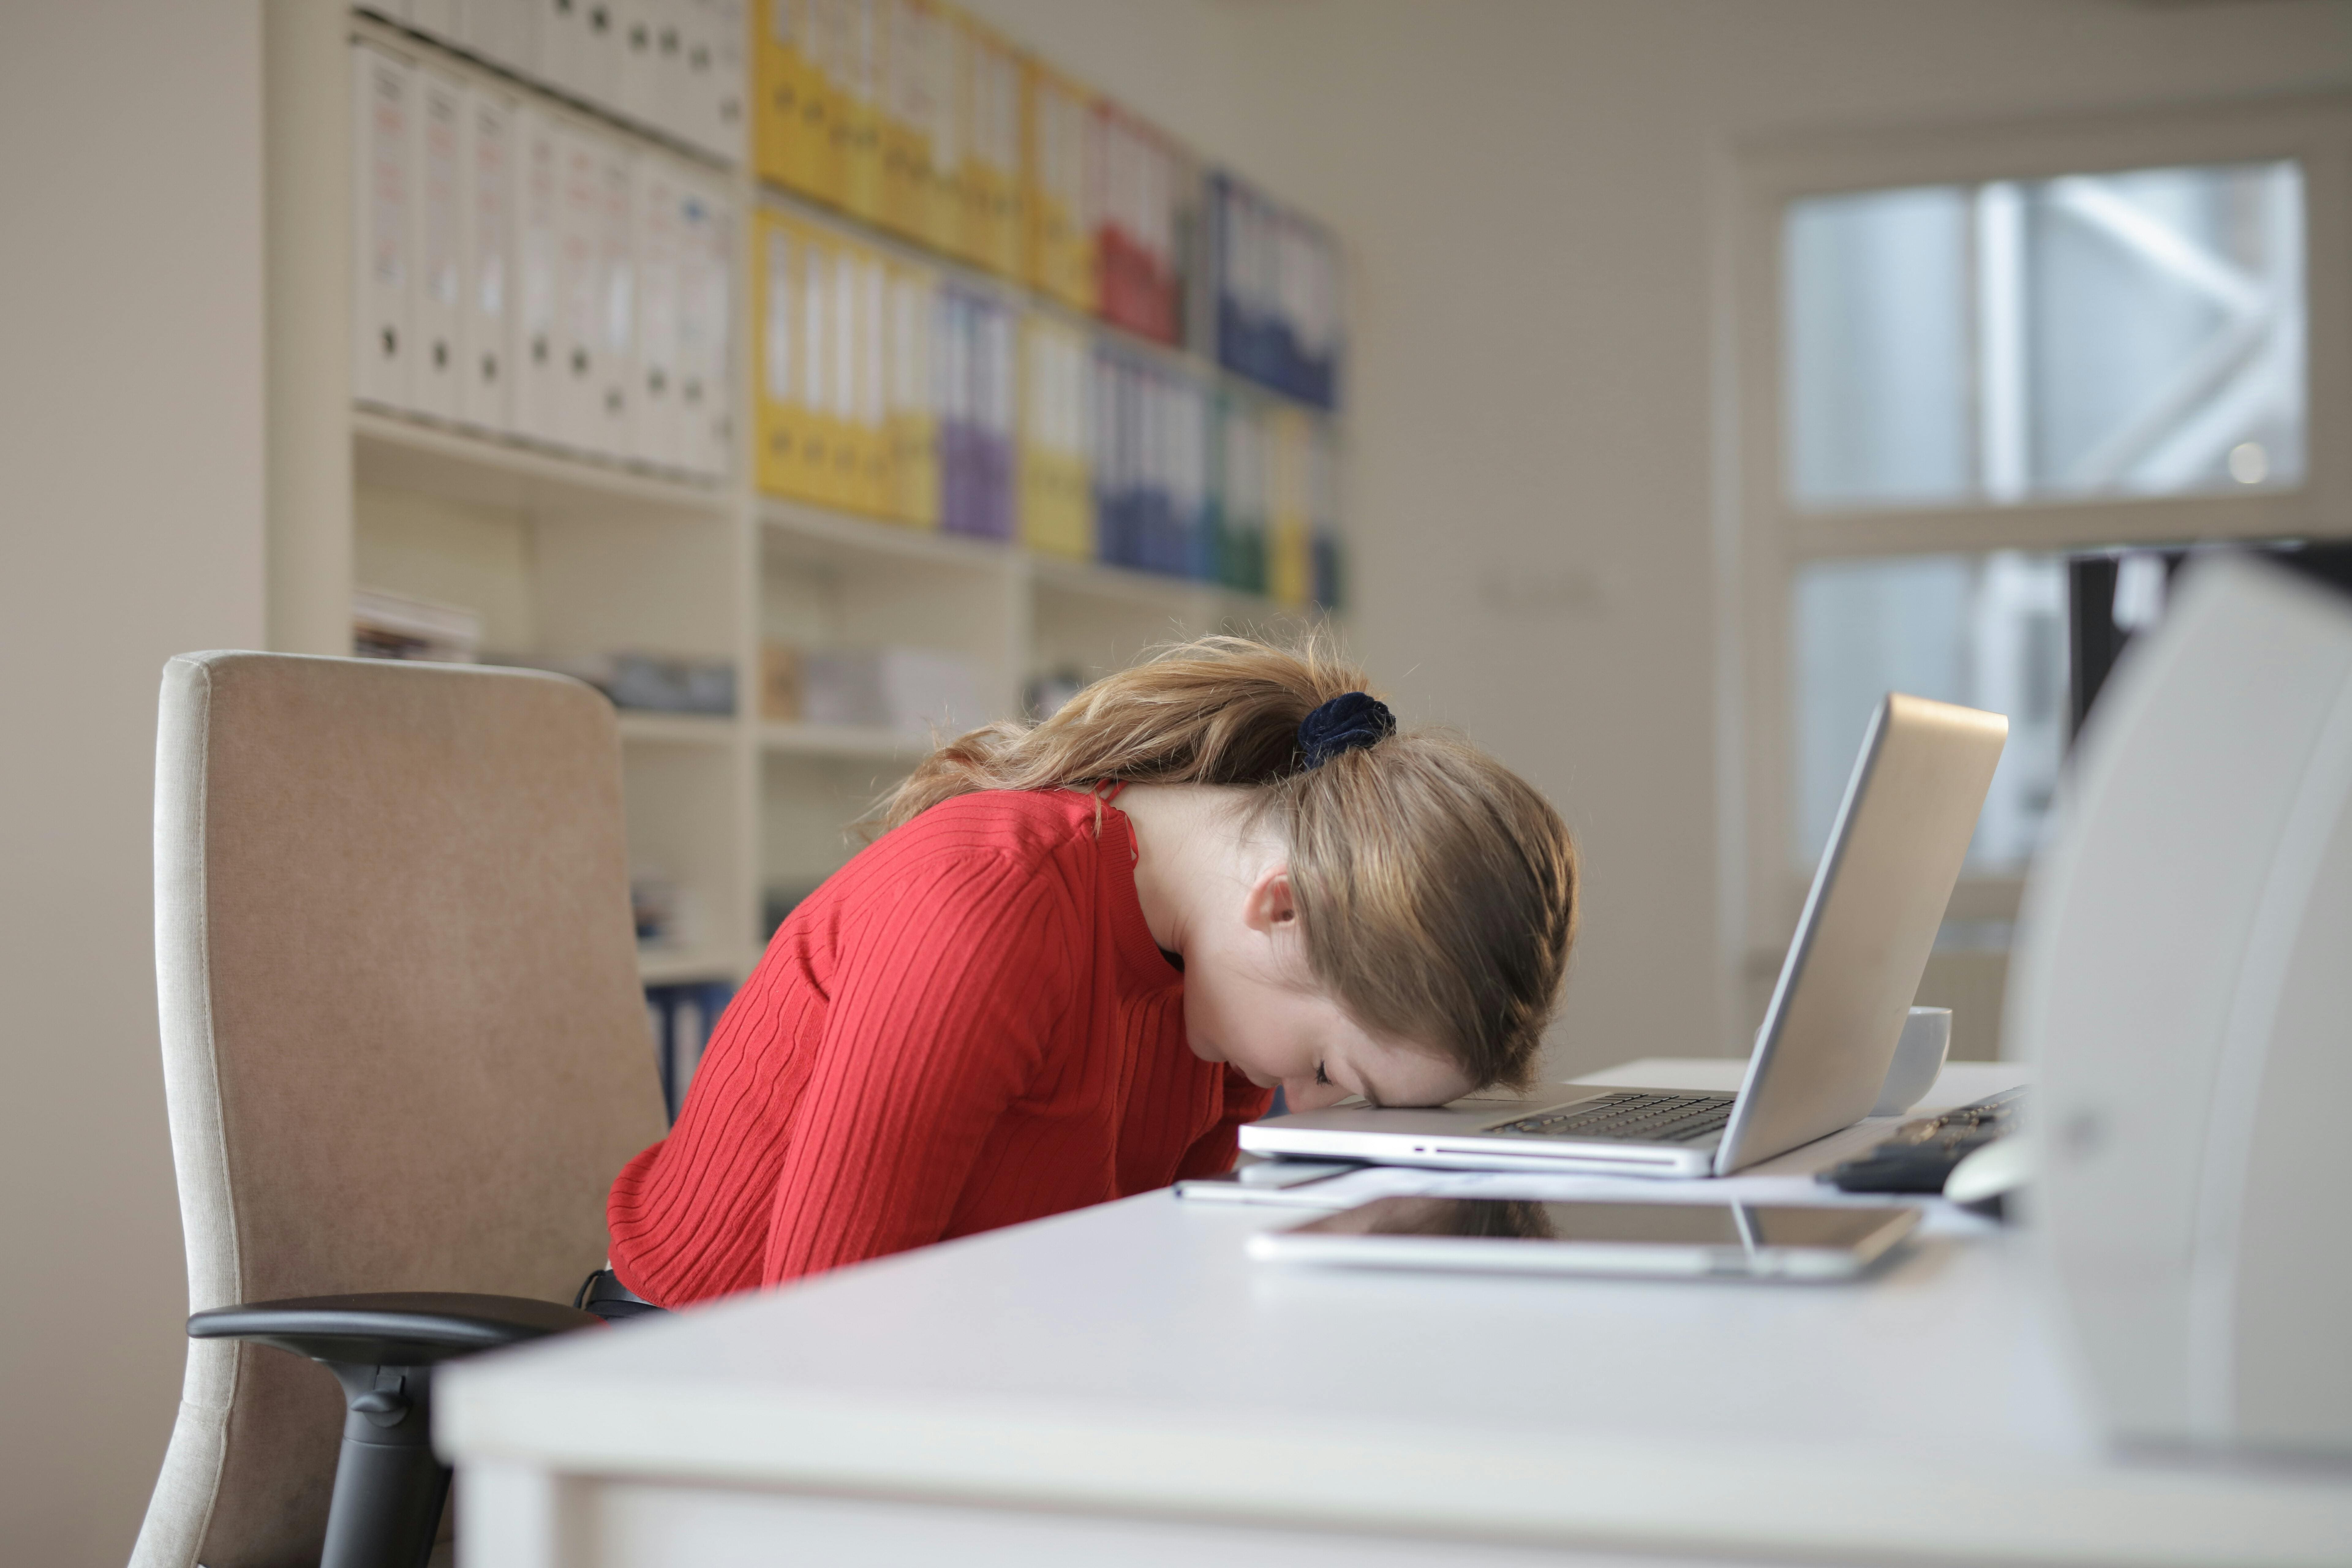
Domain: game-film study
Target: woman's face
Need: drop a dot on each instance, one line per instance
(1251, 999)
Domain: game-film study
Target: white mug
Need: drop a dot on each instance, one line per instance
(1919, 1058)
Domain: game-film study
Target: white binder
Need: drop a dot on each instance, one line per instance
(539, 372)
(558, 44)
(639, 26)
(718, 427)
(435, 19)
(715, 113)
(579, 283)
(674, 88)
(691, 79)
(501, 31)
(706, 315)
(872, 322)
(616, 304)
(381, 105)
(660, 206)
(597, 60)
(487, 221)
(436, 249)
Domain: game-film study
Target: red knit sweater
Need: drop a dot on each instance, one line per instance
(966, 1026)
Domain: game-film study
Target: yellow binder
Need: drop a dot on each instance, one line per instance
(870, 411)
(777, 70)
(1058, 218)
(828, 32)
(780, 410)
(831, 318)
(951, 64)
(1290, 561)
(991, 139)
(900, 113)
(914, 489)
(1055, 495)
(858, 122)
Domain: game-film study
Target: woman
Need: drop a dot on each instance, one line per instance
(1086, 951)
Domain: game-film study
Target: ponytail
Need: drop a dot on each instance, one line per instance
(1436, 890)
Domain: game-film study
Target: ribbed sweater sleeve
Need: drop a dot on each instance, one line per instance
(942, 1005)
(1213, 1152)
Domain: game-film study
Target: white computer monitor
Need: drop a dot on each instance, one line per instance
(2183, 983)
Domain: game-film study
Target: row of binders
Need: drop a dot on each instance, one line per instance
(1276, 315)
(1202, 482)
(916, 119)
(1207, 483)
(888, 388)
(526, 272)
(672, 67)
(533, 273)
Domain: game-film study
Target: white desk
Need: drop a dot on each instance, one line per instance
(1122, 1386)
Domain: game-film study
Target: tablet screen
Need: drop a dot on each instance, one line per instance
(1651, 1224)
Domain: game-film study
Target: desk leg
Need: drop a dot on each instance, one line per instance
(517, 1516)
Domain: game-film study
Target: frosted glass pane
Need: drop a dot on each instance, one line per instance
(2135, 333)
(2165, 331)
(1878, 346)
(1985, 630)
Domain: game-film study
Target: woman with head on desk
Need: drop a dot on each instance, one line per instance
(1087, 950)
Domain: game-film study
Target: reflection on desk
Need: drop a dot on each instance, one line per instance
(1121, 1384)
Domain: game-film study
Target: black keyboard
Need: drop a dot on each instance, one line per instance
(1631, 1118)
(1921, 1153)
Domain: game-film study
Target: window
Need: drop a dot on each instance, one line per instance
(1961, 359)
(1988, 631)
(2137, 333)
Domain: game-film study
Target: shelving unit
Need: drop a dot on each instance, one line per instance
(564, 556)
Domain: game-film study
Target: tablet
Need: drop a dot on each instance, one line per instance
(1660, 1240)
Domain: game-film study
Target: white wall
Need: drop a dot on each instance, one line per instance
(131, 528)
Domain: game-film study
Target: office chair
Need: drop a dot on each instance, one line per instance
(404, 1054)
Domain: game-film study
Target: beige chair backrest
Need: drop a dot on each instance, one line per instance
(404, 1047)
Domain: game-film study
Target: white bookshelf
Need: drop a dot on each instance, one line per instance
(841, 742)
(676, 729)
(564, 554)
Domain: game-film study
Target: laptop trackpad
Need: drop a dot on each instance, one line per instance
(1496, 1107)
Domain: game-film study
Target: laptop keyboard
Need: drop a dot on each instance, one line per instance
(1631, 1118)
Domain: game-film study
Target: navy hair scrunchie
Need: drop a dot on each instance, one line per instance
(1350, 719)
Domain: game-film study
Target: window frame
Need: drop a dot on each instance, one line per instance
(1763, 538)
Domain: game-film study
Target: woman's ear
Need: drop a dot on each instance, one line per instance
(1270, 905)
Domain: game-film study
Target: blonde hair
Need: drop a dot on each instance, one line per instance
(1435, 889)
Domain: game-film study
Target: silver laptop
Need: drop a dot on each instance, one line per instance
(1845, 987)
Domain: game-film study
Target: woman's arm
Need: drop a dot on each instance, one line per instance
(942, 1000)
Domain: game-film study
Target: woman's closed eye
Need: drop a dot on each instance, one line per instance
(1322, 1080)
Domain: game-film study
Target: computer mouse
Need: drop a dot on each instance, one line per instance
(1982, 1182)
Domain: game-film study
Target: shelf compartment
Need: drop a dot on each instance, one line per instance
(810, 806)
(848, 742)
(668, 965)
(813, 533)
(1021, 293)
(1154, 589)
(639, 727)
(392, 452)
